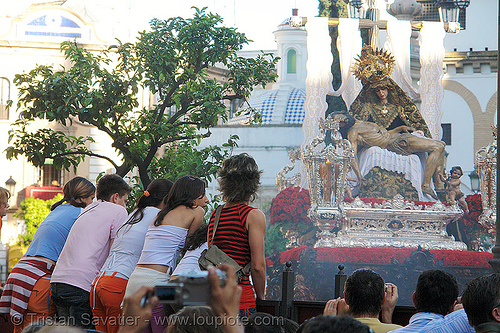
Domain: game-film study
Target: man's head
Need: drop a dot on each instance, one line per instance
(4, 201)
(113, 188)
(330, 324)
(436, 292)
(364, 293)
(481, 299)
(346, 121)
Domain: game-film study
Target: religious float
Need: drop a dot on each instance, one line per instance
(332, 217)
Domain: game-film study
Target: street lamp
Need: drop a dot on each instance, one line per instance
(449, 12)
(11, 185)
(474, 181)
(355, 8)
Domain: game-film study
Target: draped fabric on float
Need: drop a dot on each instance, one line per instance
(398, 44)
(349, 44)
(431, 74)
(411, 166)
(319, 77)
(318, 82)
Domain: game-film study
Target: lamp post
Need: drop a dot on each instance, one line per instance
(449, 13)
(11, 185)
(355, 9)
(474, 181)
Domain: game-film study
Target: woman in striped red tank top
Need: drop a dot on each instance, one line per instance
(241, 228)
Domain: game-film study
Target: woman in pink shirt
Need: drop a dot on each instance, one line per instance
(108, 288)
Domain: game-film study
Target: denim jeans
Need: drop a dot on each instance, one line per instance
(72, 305)
(247, 312)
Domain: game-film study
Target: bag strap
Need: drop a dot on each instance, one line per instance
(246, 269)
(218, 211)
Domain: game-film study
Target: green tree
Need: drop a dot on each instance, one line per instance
(170, 61)
(33, 211)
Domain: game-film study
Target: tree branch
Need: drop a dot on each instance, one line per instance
(178, 138)
(88, 153)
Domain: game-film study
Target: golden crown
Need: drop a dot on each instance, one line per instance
(373, 65)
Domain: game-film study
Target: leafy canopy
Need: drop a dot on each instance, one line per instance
(171, 61)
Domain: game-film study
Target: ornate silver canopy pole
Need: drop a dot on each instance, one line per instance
(327, 172)
(495, 261)
(486, 167)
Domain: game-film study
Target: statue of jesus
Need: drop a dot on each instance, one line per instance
(399, 140)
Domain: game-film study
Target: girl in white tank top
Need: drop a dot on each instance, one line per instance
(181, 216)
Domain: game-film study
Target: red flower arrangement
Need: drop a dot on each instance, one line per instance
(291, 205)
(385, 255)
(480, 236)
(475, 205)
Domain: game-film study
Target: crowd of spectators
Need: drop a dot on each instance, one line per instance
(93, 268)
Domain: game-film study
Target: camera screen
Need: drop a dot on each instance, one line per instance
(165, 293)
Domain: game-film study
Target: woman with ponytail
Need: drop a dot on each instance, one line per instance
(180, 217)
(26, 293)
(107, 291)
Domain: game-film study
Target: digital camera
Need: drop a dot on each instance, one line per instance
(191, 288)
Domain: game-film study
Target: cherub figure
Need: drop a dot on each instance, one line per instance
(452, 184)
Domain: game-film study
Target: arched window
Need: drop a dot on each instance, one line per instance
(291, 61)
(4, 97)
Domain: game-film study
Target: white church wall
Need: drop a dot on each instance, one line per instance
(481, 28)
(461, 152)
(267, 144)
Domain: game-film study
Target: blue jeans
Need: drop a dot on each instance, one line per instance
(247, 312)
(72, 305)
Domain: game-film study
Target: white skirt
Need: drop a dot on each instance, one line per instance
(142, 276)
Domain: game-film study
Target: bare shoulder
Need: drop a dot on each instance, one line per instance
(198, 211)
(182, 215)
(256, 216)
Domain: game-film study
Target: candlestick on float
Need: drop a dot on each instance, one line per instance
(325, 171)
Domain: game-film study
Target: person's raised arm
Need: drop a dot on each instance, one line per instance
(389, 304)
(136, 317)
(225, 300)
(256, 225)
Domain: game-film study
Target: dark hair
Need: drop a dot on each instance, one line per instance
(157, 190)
(456, 168)
(196, 239)
(480, 297)
(261, 322)
(364, 292)
(76, 188)
(111, 184)
(33, 327)
(436, 292)
(186, 320)
(330, 324)
(290, 326)
(184, 191)
(239, 178)
(4, 196)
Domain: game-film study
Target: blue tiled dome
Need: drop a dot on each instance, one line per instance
(266, 104)
(295, 112)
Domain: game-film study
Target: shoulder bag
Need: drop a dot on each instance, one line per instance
(213, 256)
